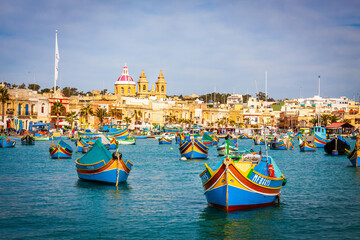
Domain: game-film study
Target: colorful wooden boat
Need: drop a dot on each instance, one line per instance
(102, 166)
(245, 182)
(281, 144)
(85, 142)
(140, 136)
(129, 140)
(7, 142)
(171, 129)
(113, 144)
(306, 146)
(165, 140)
(215, 139)
(258, 140)
(319, 134)
(193, 149)
(28, 140)
(222, 149)
(56, 136)
(244, 136)
(60, 151)
(119, 134)
(354, 157)
(207, 140)
(337, 146)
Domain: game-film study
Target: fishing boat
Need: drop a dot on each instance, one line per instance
(56, 136)
(167, 135)
(215, 139)
(337, 146)
(171, 129)
(319, 134)
(244, 136)
(129, 140)
(7, 142)
(258, 140)
(165, 140)
(281, 144)
(193, 149)
(113, 144)
(222, 149)
(60, 151)
(208, 140)
(118, 134)
(85, 142)
(238, 183)
(28, 140)
(306, 144)
(100, 165)
(140, 136)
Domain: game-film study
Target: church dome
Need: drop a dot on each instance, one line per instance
(125, 78)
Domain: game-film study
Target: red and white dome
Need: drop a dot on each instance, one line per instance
(125, 78)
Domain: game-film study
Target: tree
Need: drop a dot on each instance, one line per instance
(115, 112)
(333, 118)
(14, 86)
(261, 96)
(22, 86)
(85, 112)
(103, 92)
(4, 97)
(34, 87)
(313, 121)
(71, 117)
(127, 120)
(101, 114)
(68, 91)
(246, 98)
(324, 119)
(57, 109)
(346, 120)
(45, 90)
(137, 115)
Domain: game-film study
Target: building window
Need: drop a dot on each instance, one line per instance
(42, 108)
(144, 87)
(122, 90)
(19, 112)
(162, 88)
(129, 91)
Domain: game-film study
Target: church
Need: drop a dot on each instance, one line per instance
(126, 86)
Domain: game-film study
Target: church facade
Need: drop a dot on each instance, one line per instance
(126, 86)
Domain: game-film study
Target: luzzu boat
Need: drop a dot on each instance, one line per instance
(119, 134)
(258, 140)
(193, 149)
(281, 144)
(100, 165)
(319, 134)
(113, 144)
(165, 140)
(126, 141)
(306, 144)
(60, 151)
(244, 136)
(28, 140)
(207, 140)
(56, 136)
(85, 142)
(7, 142)
(245, 182)
(354, 157)
(222, 149)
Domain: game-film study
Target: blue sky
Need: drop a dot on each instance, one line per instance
(199, 45)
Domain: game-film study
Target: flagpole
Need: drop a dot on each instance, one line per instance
(57, 57)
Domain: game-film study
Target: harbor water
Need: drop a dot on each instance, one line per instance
(163, 198)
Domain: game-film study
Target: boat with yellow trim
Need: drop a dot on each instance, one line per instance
(238, 183)
(100, 165)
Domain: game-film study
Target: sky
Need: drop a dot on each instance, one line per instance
(200, 45)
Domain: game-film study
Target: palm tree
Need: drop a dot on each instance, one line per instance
(115, 112)
(4, 97)
(137, 115)
(101, 113)
(85, 112)
(57, 109)
(333, 118)
(345, 120)
(127, 120)
(313, 121)
(324, 119)
(71, 117)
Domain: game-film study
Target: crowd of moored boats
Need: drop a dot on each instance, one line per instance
(242, 179)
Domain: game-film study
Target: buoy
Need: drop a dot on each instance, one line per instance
(335, 153)
(183, 158)
(171, 148)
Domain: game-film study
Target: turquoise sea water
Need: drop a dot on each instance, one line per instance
(163, 198)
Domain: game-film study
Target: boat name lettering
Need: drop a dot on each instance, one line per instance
(205, 177)
(260, 180)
